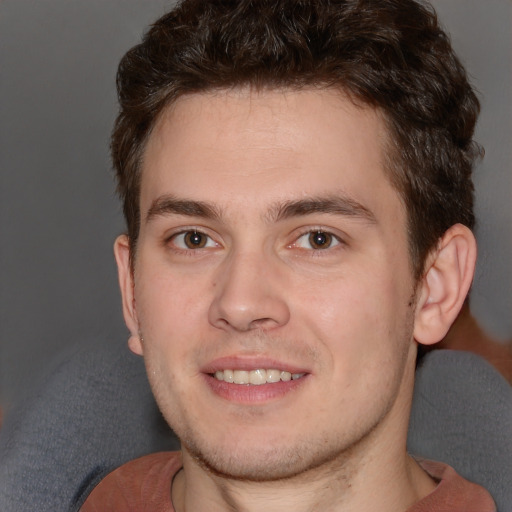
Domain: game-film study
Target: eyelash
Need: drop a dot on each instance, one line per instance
(185, 250)
(336, 241)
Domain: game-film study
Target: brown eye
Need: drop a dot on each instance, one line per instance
(320, 240)
(194, 240)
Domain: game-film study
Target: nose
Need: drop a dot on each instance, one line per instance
(249, 294)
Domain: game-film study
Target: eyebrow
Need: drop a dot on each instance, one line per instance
(169, 205)
(337, 205)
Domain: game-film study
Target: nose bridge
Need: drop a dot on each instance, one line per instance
(248, 294)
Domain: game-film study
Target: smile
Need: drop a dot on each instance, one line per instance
(256, 377)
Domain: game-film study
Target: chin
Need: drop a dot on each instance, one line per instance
(263, 461)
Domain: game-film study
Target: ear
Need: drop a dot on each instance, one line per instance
(445, 284)
(126, 283)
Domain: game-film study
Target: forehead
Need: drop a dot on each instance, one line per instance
(224, 146)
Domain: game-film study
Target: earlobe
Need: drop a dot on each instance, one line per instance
(125, 275)
(135, 344)
(445, 284)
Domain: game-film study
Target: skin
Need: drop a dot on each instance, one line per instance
(255, 173)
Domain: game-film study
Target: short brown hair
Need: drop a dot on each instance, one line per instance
(388, 54)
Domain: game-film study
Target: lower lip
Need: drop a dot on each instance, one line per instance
(251, 394)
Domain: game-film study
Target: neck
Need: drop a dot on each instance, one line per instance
(389, 484)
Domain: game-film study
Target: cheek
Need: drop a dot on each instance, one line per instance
(160, 288)
(339, 305)
(168, 307)
(362, 314)
(168, 312)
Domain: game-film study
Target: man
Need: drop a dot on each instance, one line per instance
(296, 179)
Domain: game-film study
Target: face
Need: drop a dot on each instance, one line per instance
(272, 287)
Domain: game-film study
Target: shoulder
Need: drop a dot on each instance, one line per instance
(453, 493)
(139, 485)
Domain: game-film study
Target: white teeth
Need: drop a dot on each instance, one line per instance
(286, 376)
(255, 377)
(273, 375)
(240, 377)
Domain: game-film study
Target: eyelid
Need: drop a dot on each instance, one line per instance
(337, 238)
(182, 231)
(333, 242)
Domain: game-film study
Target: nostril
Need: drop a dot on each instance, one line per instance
(261, 323)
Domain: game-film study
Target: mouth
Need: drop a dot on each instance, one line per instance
(256, 377)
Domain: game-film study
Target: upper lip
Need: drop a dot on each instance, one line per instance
(237, 362)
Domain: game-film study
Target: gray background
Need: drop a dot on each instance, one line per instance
(58, 211)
